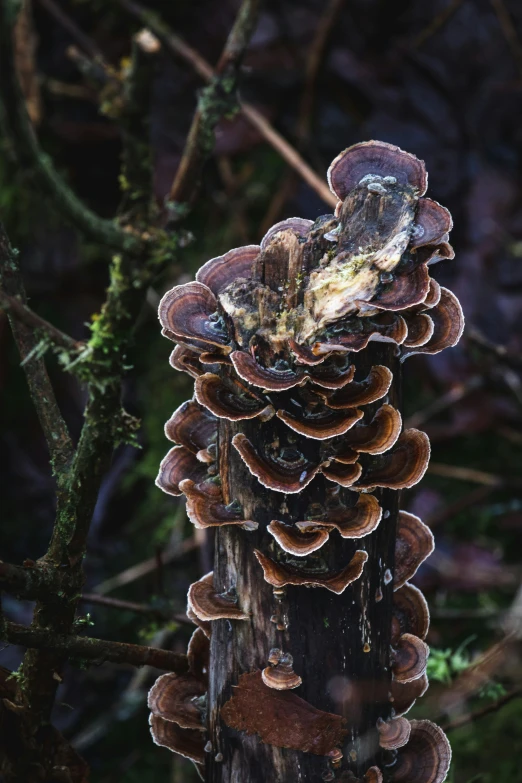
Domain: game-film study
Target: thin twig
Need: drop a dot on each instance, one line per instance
(477, 675)
(473, 334)
(29, 318)
(169, 38)
(473, 498)
(131, 606)
(436, 24)
(451, 397)
(466, 474)
(471, 717)
(289, 153)
(54, 428)
(181, 49)
(314, 59)
(289, 180)
(75, 32)
(96, 650)
(145, 567)
(509, 30)
(19, 131)
(215, 101)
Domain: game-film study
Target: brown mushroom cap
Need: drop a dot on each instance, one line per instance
(179, 464)
(295, 541)
(214, 358)
(343, 473)
(299, 226)
(373, 388)
(401, 467)
(432, 222)
(328, 377)
(172, 698)
(203, 625)
(425, 758)
(377, 436)
(281, 718)
(209, 605)
(325, 424)
(403, 695)
(304, 355)
(220, 272)
(282, 475)
(280, 673)
(434, 294)
(186, 742)
(393, 733)
(404, 290)
(205, 507)
(265, 378)
(198, 655)
(377, 158)
(409, 658)
(410, 612)
(420, 330)
(385, 328)
(414, 543)
(185, 310)
(345, 454)
(279, 575)
(448, 321)
(373, 775)
(191, 426)
(185, 360)
(355, 522)
(225, 402)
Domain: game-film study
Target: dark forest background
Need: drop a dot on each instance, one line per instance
(442, 80)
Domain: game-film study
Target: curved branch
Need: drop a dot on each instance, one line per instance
(95, 650)
(53, 425)
(29, 318)
(19, 130)
(215, 101)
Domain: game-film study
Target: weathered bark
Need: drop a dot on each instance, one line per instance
(340, 643)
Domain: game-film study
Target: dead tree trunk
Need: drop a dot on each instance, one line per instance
(340, 643)
(293, 450)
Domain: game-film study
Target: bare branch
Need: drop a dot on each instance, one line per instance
(215, 101)
(54, 428)
(471, 717)
(436, 24)
(181, 49)
(314, 60)
(131, 606)
(509, 30)
(146, 567)
(74, 31)
(470, 474)
(31, 582)
(29, 318)
(95, 650)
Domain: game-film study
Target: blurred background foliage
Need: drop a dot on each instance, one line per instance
(442, 80)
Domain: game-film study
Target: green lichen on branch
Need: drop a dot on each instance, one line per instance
(216, 101)
(17, 128)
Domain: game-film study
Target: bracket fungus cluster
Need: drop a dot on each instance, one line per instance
(293, 448)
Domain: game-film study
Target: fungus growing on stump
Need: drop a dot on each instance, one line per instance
(296, 347)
